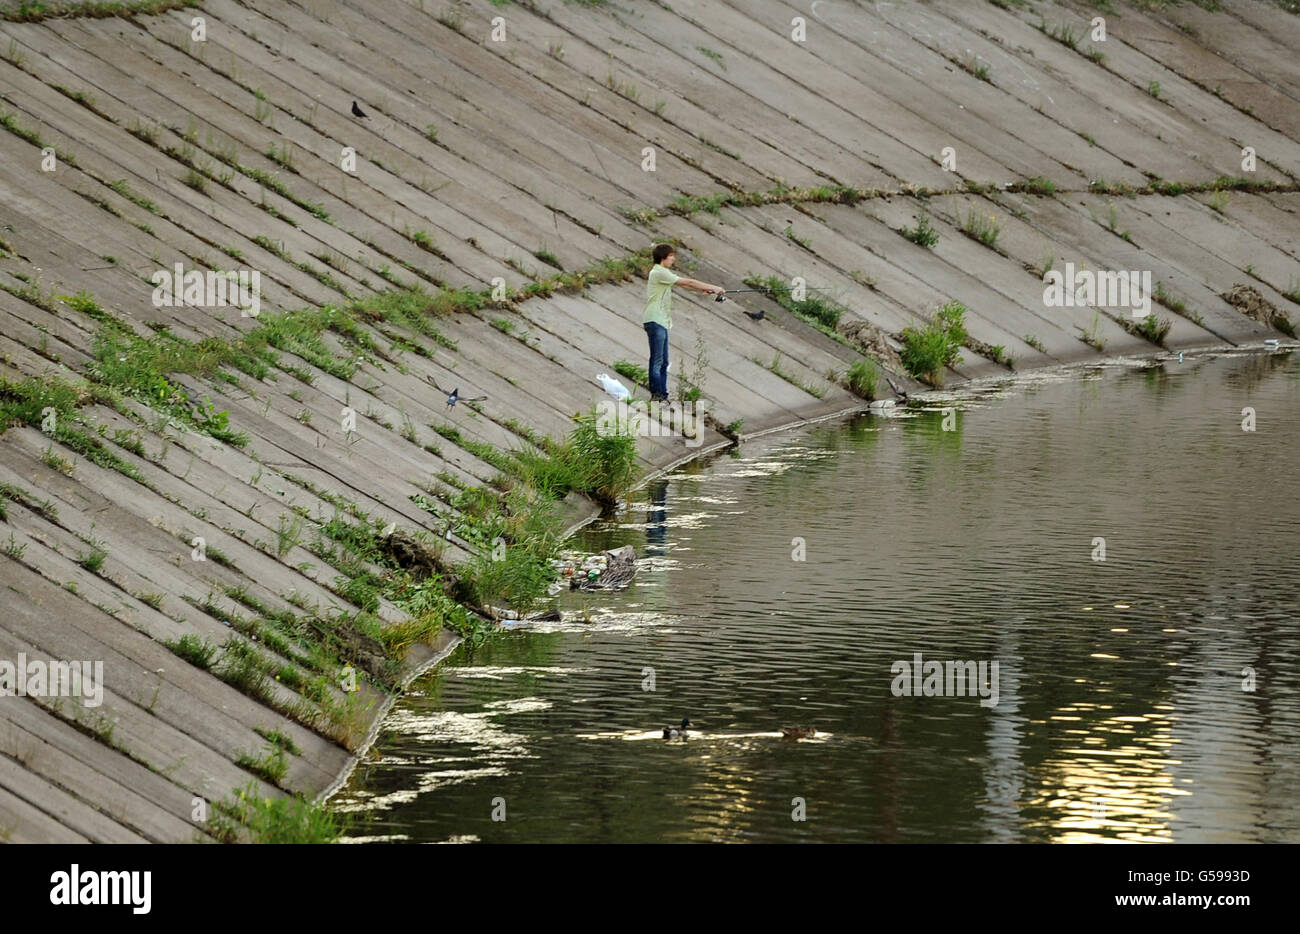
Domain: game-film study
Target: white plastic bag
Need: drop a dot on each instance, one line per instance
(613, 386)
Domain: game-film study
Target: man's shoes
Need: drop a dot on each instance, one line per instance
(658, 398)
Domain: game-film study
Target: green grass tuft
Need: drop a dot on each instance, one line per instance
(634, 372)
(863, 378)
(290, 819)
(928, 350)
(923, 234)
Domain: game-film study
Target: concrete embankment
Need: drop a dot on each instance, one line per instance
(585, 134)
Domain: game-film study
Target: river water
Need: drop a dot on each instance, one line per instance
(1150, 696)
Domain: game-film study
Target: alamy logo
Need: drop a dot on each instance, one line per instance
(40, 678)
(103, 888)
(945, 679)
(241, 289)
(1107, 288)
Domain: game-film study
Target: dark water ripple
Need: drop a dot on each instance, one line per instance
(1121, 713)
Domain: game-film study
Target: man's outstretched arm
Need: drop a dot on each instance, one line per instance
(695, 285)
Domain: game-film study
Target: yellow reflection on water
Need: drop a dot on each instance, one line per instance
(1114, 781)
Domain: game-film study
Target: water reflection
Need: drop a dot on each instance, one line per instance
(656, 524)
(781, 584)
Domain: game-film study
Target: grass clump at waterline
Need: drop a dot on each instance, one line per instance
(406, 570)
(927, 351)
(598, 460)
(863, 378)
(516, 536)
(512, 527)
(291, 819)
(1150, 326)
(517, 531)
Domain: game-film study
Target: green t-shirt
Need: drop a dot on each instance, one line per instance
(659, 296)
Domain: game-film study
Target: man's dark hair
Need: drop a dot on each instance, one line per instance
(663, 251)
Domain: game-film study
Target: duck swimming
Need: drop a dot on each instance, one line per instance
(673, 732)
(798, 732)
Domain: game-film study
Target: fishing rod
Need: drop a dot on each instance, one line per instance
(722, 296)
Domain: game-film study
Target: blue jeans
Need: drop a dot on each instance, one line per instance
(658, 335)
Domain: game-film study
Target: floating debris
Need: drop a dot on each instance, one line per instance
(508, 615)
(609, 570)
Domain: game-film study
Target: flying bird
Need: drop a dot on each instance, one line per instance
(454, 396)
(757, 315)
(357, 111)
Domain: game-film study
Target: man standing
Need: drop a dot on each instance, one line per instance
(659, 313)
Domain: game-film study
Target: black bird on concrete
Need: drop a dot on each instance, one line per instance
(898, 392)
(454, 396)
(357, 111)
(756, 315)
